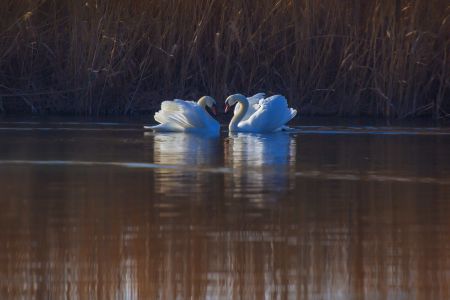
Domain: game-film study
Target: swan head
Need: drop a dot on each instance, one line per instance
(208, 101)
(232, 100)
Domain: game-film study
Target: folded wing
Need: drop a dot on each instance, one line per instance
(271, 115)
(187, 116)
(253, 106)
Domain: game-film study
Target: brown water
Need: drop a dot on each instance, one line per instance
(104, 210)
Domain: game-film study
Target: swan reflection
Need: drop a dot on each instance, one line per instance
(185, 149)
(261, 164)
(188, 154)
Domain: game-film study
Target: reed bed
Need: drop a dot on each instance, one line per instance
(374, 57)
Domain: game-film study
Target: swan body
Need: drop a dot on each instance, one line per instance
(252, 105)
(186, 116)
(259, 115)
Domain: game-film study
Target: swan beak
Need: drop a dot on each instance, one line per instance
(213, 110)
(227, 107)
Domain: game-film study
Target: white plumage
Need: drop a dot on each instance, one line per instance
(253, 105)
(259, 114)
(186, 116)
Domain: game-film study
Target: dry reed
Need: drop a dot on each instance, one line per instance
(388, 58)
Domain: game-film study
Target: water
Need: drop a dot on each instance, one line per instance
(108, 211)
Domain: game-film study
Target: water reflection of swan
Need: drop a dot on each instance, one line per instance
(187, 155)
(184, 149)
(261, 164)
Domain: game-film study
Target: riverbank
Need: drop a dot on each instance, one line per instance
(125, 57)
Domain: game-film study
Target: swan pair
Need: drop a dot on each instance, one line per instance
(254, 114)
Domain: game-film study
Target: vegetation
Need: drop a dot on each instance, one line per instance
(376, 57)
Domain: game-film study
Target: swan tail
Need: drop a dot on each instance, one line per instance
(287, 115)
(290, 114)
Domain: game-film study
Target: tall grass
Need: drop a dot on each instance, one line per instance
(377, 57)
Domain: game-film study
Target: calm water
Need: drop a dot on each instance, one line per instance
(104, 210)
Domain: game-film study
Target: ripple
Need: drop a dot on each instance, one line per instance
(68, 129)
(375, 130)
(81, 123)
(370, 177)
(132, 165)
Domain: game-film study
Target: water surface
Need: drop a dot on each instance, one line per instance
(105, 210)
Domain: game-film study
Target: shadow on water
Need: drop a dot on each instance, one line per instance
(308, 214)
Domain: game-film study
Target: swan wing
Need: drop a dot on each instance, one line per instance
(178, 115)
(253, 105)
(186, 116)
(199, 117)
(271, 115)
(255, 98)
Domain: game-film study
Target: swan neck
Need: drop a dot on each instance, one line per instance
(202, 102)
(239, 115)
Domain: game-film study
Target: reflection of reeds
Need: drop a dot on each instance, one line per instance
(378, 57)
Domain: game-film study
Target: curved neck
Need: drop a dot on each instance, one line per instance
(240, 113)
(202, 102)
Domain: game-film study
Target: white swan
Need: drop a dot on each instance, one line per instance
(252, 105)
(267, 115)
(186, 116)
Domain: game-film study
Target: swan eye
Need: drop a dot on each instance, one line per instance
(214, 110)
(212, 102)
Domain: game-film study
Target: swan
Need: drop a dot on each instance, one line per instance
(187, 116)
(252, 105)
(264, 115)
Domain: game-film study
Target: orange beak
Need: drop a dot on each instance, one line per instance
(227, 108)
